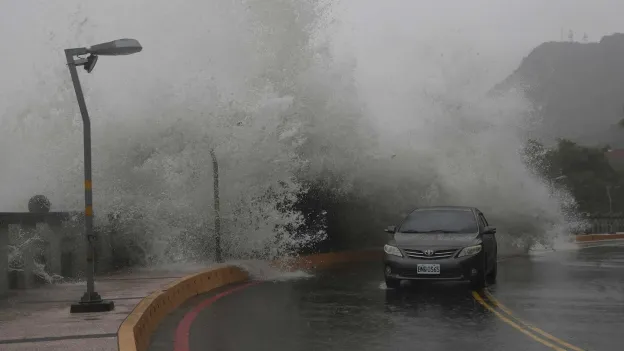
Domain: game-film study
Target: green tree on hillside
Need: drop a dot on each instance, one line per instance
(584, 171)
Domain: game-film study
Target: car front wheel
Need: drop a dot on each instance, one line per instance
(393, 283)
(491, 277)
(479, 281)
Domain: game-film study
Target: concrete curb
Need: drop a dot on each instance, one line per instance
(597, 237)
(136, 330)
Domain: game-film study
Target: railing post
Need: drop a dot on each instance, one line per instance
(53, 252)
(28, 255)
(4, 259)
(217, 211)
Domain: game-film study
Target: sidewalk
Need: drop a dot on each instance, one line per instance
(39, 319)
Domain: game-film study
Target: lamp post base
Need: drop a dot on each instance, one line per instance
(92, 303)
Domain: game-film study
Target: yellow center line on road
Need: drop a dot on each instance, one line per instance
(514, 324)
(496, 303)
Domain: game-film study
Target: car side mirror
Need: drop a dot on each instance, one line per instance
(391, 229)
(489, 230)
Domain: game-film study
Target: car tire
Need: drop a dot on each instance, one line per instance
(393, 283)
(491, 277)
(479, 282)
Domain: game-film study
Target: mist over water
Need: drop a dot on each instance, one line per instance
(366, 95)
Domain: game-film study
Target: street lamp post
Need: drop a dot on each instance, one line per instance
(91, 301)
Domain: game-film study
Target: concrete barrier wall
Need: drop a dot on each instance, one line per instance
(4, 262)
(325, 260)
(59, 246)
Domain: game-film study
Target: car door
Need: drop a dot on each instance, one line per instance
(489, 241)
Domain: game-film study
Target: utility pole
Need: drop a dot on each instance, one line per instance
(217, 212)
(610, 200)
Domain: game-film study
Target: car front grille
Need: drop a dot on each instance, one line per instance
(433, 255)
(446, 273)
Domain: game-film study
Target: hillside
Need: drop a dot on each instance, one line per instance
(577, 89)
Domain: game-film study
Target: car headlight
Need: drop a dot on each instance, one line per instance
(470, 251)
(392, 250)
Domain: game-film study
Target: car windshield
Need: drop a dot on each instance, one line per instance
(440, 221)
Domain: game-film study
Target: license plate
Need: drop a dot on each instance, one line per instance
(428, 269)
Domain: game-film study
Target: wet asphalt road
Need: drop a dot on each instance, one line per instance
(574, 300)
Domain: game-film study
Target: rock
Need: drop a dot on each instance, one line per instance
(39, 204)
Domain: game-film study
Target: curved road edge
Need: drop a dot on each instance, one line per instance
(135, 331)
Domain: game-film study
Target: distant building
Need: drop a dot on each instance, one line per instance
(616, 159)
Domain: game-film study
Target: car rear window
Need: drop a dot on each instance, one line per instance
(443, 220)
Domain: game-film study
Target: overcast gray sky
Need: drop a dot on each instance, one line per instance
(33, 32)
(507, 27)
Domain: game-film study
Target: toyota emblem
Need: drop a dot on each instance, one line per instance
(429, 252)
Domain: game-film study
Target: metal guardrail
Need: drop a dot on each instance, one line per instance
(40, 245)
(39, 238)
(604, 224)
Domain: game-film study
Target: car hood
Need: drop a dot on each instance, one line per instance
(413, 240)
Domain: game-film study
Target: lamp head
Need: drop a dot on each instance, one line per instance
(116, 47)
(90, 64)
